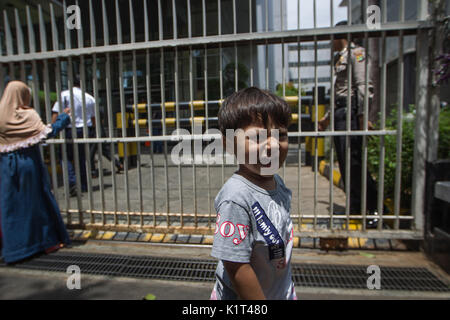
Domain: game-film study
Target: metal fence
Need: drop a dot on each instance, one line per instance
(174, 73)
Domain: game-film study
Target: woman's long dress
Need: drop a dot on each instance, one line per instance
(30, 218)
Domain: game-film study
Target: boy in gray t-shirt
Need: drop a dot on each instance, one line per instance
(254, 232)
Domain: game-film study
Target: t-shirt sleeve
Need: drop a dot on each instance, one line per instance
(56, 107)
(232, 239)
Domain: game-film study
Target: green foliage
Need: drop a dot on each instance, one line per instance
(444, 134)
(290, 90)
(407, 154)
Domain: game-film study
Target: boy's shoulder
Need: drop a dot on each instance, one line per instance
(282, 184)
(234, 190)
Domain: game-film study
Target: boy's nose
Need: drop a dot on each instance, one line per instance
(270, 143)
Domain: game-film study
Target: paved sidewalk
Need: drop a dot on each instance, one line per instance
(18, 283)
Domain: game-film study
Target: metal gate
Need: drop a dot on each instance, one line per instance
(155, 66)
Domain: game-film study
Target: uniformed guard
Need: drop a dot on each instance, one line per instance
(358, 58)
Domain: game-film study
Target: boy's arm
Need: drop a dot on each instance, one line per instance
(244, 280)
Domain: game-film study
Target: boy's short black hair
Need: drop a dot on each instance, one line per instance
(253, 105)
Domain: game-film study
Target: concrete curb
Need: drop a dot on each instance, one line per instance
(207, 240)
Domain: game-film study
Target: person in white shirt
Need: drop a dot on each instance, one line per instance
(77, 114)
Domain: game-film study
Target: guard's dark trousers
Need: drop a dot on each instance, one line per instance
(340, 115)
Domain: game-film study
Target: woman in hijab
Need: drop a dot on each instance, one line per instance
(30, 218)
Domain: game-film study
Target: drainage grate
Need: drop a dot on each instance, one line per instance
(355, 277)
(305, 275)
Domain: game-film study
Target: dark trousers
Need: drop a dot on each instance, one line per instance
(340, 115)
(82, 158)
(106, 151)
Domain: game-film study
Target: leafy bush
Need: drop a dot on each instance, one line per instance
(390, 143)
(444, 134)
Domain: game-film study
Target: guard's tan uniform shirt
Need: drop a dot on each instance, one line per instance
(358, 61)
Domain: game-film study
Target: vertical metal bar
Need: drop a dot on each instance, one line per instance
(76, 156)
(191, 98)
(236, 76)
(221, 79)
(9, 44)
(74, 133)
(20, 44)
(364, 138)
(34, 84)
(398, 167)
(54, 29)
(105, 24)
(63, 146)
(250, 16)
(118, 24)
(58, 89)
(150, 128)
(205, 76)
(149, 109)
(267, 65)
(31, 37)
(8, 35)
(250, 19)
(42, 31)
(281, 15)
(163, 109)
(283, 81)
(146, 35)
(32, 49)
(219, 16)
(136, 116)
(422, 10)
(109, 109)
(85, 128)
(98, 119)
(98, 124)
(123, 112)
(234, 18)
(80, 32)
(86, 135)
(420, 134)
(348, 120)
(92, 24)
(332, 102)
(299, 175)
(267, 45)
(316, 114)
(43, 43)
(177, 109)
(2, 77)
(380, 206)
(63, 134)
(66, 30)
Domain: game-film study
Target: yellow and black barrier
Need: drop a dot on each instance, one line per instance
(131, 147)
(310, 142)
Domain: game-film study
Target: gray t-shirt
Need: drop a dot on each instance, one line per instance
(254, 226)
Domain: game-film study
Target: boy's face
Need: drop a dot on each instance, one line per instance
(265, 148)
